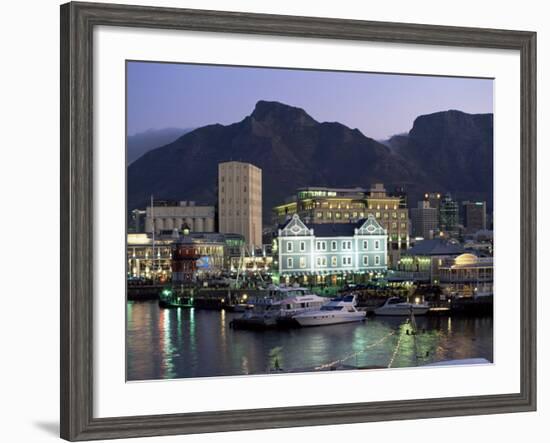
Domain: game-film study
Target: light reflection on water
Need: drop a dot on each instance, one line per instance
(177, 343)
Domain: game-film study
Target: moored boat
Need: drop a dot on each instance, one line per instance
(394, 306)
(177, 298)
(277, 307)
(338, 310)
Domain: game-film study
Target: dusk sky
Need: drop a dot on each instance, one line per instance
(162, 95)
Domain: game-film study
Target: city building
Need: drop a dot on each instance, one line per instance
(467, 275)
(424, 220)
(240, 201)
(434, 199)
(169, 214)
(423, 260)
(322, 205)
(448, 216)
(324, 252)
(475, 216)
(137, 221)
(216, 253)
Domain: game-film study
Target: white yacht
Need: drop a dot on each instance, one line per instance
(394, 306)
(278, 307)
(338, 310)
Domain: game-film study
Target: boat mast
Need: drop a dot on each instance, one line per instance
(153, 228)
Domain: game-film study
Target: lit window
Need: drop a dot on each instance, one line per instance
(334, 261)
(302, 262)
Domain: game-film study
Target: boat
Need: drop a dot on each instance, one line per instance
(338, 310)
(277, 307)
(177, 298)
(395, 306)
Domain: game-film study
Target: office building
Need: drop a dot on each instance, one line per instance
(240, 201)
(424, 220)
(475, 216)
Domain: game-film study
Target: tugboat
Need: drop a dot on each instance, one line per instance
(181, 292)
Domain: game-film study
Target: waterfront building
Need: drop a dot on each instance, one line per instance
(216, 253)
(448, 216)
(322, 205)
(324, 252)
(170, 214)
(475, 216)
(423, 260)
(467, 275)
(240, 201)
(424, 220)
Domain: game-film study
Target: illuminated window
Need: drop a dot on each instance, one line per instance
(302, 262)
(319, 215)
(334, 261)
(329, 214)
(338, 215)
(321, 261)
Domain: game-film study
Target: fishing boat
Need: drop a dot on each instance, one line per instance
(395, 306)
(177, 298)
(277, 307)
(338, 310)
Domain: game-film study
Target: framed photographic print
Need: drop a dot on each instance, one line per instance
(273, 221)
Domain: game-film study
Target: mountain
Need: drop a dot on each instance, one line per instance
(455, 150)
(142, 142)
(295, 150)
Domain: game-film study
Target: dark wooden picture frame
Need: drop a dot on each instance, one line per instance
(77, 23)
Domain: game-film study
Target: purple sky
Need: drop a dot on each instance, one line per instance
(162, 95)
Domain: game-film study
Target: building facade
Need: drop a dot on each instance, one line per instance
(321, 205)
(448, 216)
(424, 220)
(423, 261)
(215, 253)
(467, 276)
(240, 201)
(168, 215)
(320, 252)
(475, 216)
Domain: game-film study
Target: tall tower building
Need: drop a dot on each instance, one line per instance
(475, 216)
(425, 220)
(240, 201)
(448, 216)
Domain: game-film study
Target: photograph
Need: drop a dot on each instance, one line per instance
(285, 220)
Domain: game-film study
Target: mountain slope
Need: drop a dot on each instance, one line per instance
(294, 150)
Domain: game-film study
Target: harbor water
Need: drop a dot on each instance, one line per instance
(180, 343)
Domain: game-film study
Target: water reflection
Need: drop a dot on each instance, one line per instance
(175, 343)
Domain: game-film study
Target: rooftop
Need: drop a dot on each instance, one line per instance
(437, 246)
